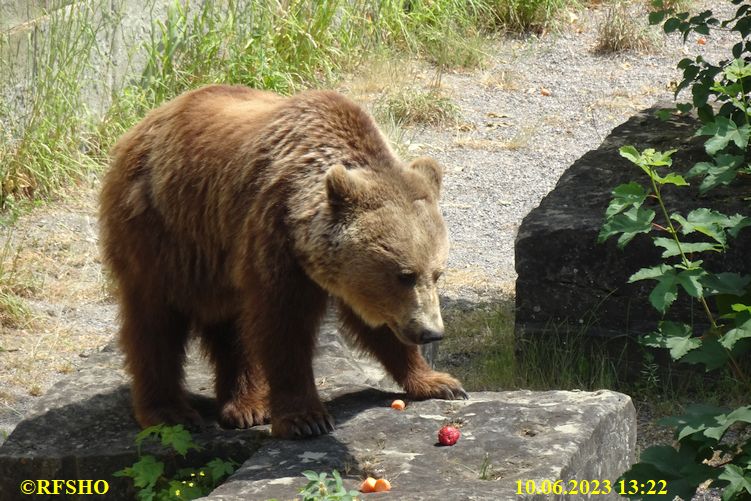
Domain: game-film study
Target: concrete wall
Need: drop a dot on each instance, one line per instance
(119, 26)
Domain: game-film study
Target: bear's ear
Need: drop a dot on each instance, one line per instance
(341, 186)
(431, 170)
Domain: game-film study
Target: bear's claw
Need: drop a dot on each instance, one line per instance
(434, 385)
(234, 415)
(303, 426)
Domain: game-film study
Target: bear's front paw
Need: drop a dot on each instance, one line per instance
(302, 425)
(434, 385)
(237, 415)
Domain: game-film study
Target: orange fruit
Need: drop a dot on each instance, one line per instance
(382, 485)
(368, 485)
(398, 405)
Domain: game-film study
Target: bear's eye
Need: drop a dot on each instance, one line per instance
(436, 275)
(407, 278)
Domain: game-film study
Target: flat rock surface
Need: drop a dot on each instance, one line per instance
(83, 429)
(506, 437)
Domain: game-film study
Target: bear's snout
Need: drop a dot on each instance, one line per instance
(430, 335)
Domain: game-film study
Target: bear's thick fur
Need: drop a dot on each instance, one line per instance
(238, 213)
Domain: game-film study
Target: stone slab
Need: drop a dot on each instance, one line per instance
(521, 435)
(83, 429)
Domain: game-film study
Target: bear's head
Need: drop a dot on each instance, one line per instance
(390, 246)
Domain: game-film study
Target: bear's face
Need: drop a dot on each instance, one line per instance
(392, 249)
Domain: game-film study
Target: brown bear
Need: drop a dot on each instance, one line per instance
(238, 214)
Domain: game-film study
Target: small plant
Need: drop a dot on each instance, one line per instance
(418, 108)
(486, 468)
(148, 473)
(321, 487)
(528, 15)
(701, 430)
(624, 30)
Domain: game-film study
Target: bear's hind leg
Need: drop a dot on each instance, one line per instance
(241, 390)
(153, 336)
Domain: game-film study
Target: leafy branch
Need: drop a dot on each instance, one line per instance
(148, 473)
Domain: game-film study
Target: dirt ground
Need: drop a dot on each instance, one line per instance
(535, 106)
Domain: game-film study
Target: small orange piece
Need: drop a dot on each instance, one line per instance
(701, 41)
(398, 405)
(382, 485)
(368, 485)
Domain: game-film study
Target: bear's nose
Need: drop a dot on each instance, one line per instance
(430, 335)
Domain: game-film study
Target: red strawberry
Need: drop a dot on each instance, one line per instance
(448, 435)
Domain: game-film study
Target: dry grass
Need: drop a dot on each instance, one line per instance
(502, 79)
(57, 275)
(481, 144)
(625, 28)
(418, 107)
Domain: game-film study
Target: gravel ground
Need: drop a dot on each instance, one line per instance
(536, 106)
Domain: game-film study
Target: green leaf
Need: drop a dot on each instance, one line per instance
(656, 17)
(737, 223)
(725, 283)
(185, 490)
(147, 471)
(684, 107)
(629, 223)
(664, 114)
(671, 25)
(670, 178)
(696, 419)
(666, 290)
(734, 335)
(720, 172)
(624, 197)
(725, 421)
(671, 247)
(673, 336)
(682, 474)
(630, 153)
(311, 475)
(178, 438)
(151, 431)
(711, 354)
(724, 130)
(648, 159)
(711, 223)
(690, 280)
(739, 481)
(219, 469)
(737, 70)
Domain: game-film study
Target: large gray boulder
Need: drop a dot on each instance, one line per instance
(83, 429)
(507, 437)
(567, 281)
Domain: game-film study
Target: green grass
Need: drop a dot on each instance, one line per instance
(482, 350)
(48, 137)
(625, 28)
(417, 107)
(523, 16)
(13, 310)
(45, 131)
